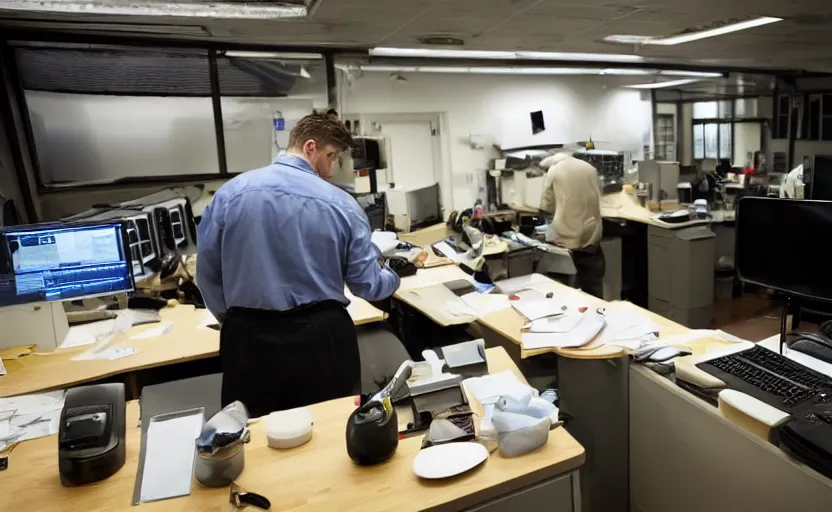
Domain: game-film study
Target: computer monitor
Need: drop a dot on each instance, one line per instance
(55, 262)
(781, 244)
(142, 242)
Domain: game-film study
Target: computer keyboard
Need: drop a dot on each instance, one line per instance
(770, 377)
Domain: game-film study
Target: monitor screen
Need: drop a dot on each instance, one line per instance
(780, 245)
(63, 262)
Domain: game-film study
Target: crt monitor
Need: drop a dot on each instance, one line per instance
(781, 244)
(53, 262)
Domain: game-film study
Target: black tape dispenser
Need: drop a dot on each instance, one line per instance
(372, 429)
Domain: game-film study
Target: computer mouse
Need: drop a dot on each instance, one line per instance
(813, 348)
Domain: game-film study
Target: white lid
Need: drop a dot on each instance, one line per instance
(289, 425)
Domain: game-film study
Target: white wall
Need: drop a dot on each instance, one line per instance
(498, 107)
(746, 140)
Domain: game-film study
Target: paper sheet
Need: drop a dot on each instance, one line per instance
(516, 284)
(628, 329)
(159, 330)
(536, 309)
(30, 416)
(563, 323)
(484, 304)
(82, 335)
(384, 240)
(169, 456)
(489, 388)
(108, 354)
(584, 331)
(447, 251)
(2, 368)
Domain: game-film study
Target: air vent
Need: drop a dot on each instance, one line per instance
(442, 41)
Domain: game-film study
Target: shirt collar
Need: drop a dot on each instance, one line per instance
(296, 162)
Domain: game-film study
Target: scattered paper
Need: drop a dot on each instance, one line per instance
(584, 331)
(169, 456)
(108, 354)
(562, 323)
(535, 309)
(627, 329)
(86, 334)
(384, 240)
(30, 416)
(207, 320)
(159, 330)
(485, 304)
(489, 388)
(516, 284)
(447, 251)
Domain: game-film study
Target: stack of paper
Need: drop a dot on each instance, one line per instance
(489, 388)
(628, 329)
(588, 326)
(535, 309)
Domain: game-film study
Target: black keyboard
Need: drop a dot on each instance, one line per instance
(770, 377)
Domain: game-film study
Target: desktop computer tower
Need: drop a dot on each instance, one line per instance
(173, 219)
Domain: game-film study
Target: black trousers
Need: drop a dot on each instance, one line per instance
(591, 267)
(277, 360)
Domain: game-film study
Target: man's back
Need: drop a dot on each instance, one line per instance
(571, 190)
(284, 238)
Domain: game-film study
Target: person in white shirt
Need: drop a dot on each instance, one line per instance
(571, 193)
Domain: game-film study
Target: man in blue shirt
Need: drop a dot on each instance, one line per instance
(276, 246)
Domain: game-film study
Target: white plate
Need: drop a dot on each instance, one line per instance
(448, 460)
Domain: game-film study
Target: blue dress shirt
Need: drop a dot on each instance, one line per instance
(281, 237)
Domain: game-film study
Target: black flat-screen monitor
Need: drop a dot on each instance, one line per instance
(53, 262)
(782, 244)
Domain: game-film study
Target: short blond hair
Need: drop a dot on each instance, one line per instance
(323, 128)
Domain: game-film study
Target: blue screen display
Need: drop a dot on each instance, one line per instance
(55, 262)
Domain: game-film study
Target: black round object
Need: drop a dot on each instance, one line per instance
(372, 434)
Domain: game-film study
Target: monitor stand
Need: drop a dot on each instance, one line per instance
(42, 323)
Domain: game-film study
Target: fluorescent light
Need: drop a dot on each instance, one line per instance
(692, 36)
(273, 55)
(511, 70)
(697, 74)
(440, 54)
(430, 53)
(221, 10)
(662, 85)
(591, 57)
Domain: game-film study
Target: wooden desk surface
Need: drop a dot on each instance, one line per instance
(508, 322)
(185, 342)
(318, 476)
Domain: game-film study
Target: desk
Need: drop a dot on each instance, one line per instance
(593, 389)
(317, 476)
(186, 342)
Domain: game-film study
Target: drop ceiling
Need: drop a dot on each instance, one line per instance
(800, 42)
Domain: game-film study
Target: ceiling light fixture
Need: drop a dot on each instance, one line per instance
(692, 36)
(220, 10)
(238, 54)
(518, 70)
(431, 53)
(662, 85)
(697, 74)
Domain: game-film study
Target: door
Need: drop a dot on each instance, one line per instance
(411, 153)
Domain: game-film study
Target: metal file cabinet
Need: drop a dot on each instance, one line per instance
(681, 274)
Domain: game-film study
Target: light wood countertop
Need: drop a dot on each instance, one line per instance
(187, 341)
(318, 476)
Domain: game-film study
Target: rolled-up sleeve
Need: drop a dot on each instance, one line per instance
(366, 277)
(209, 259)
